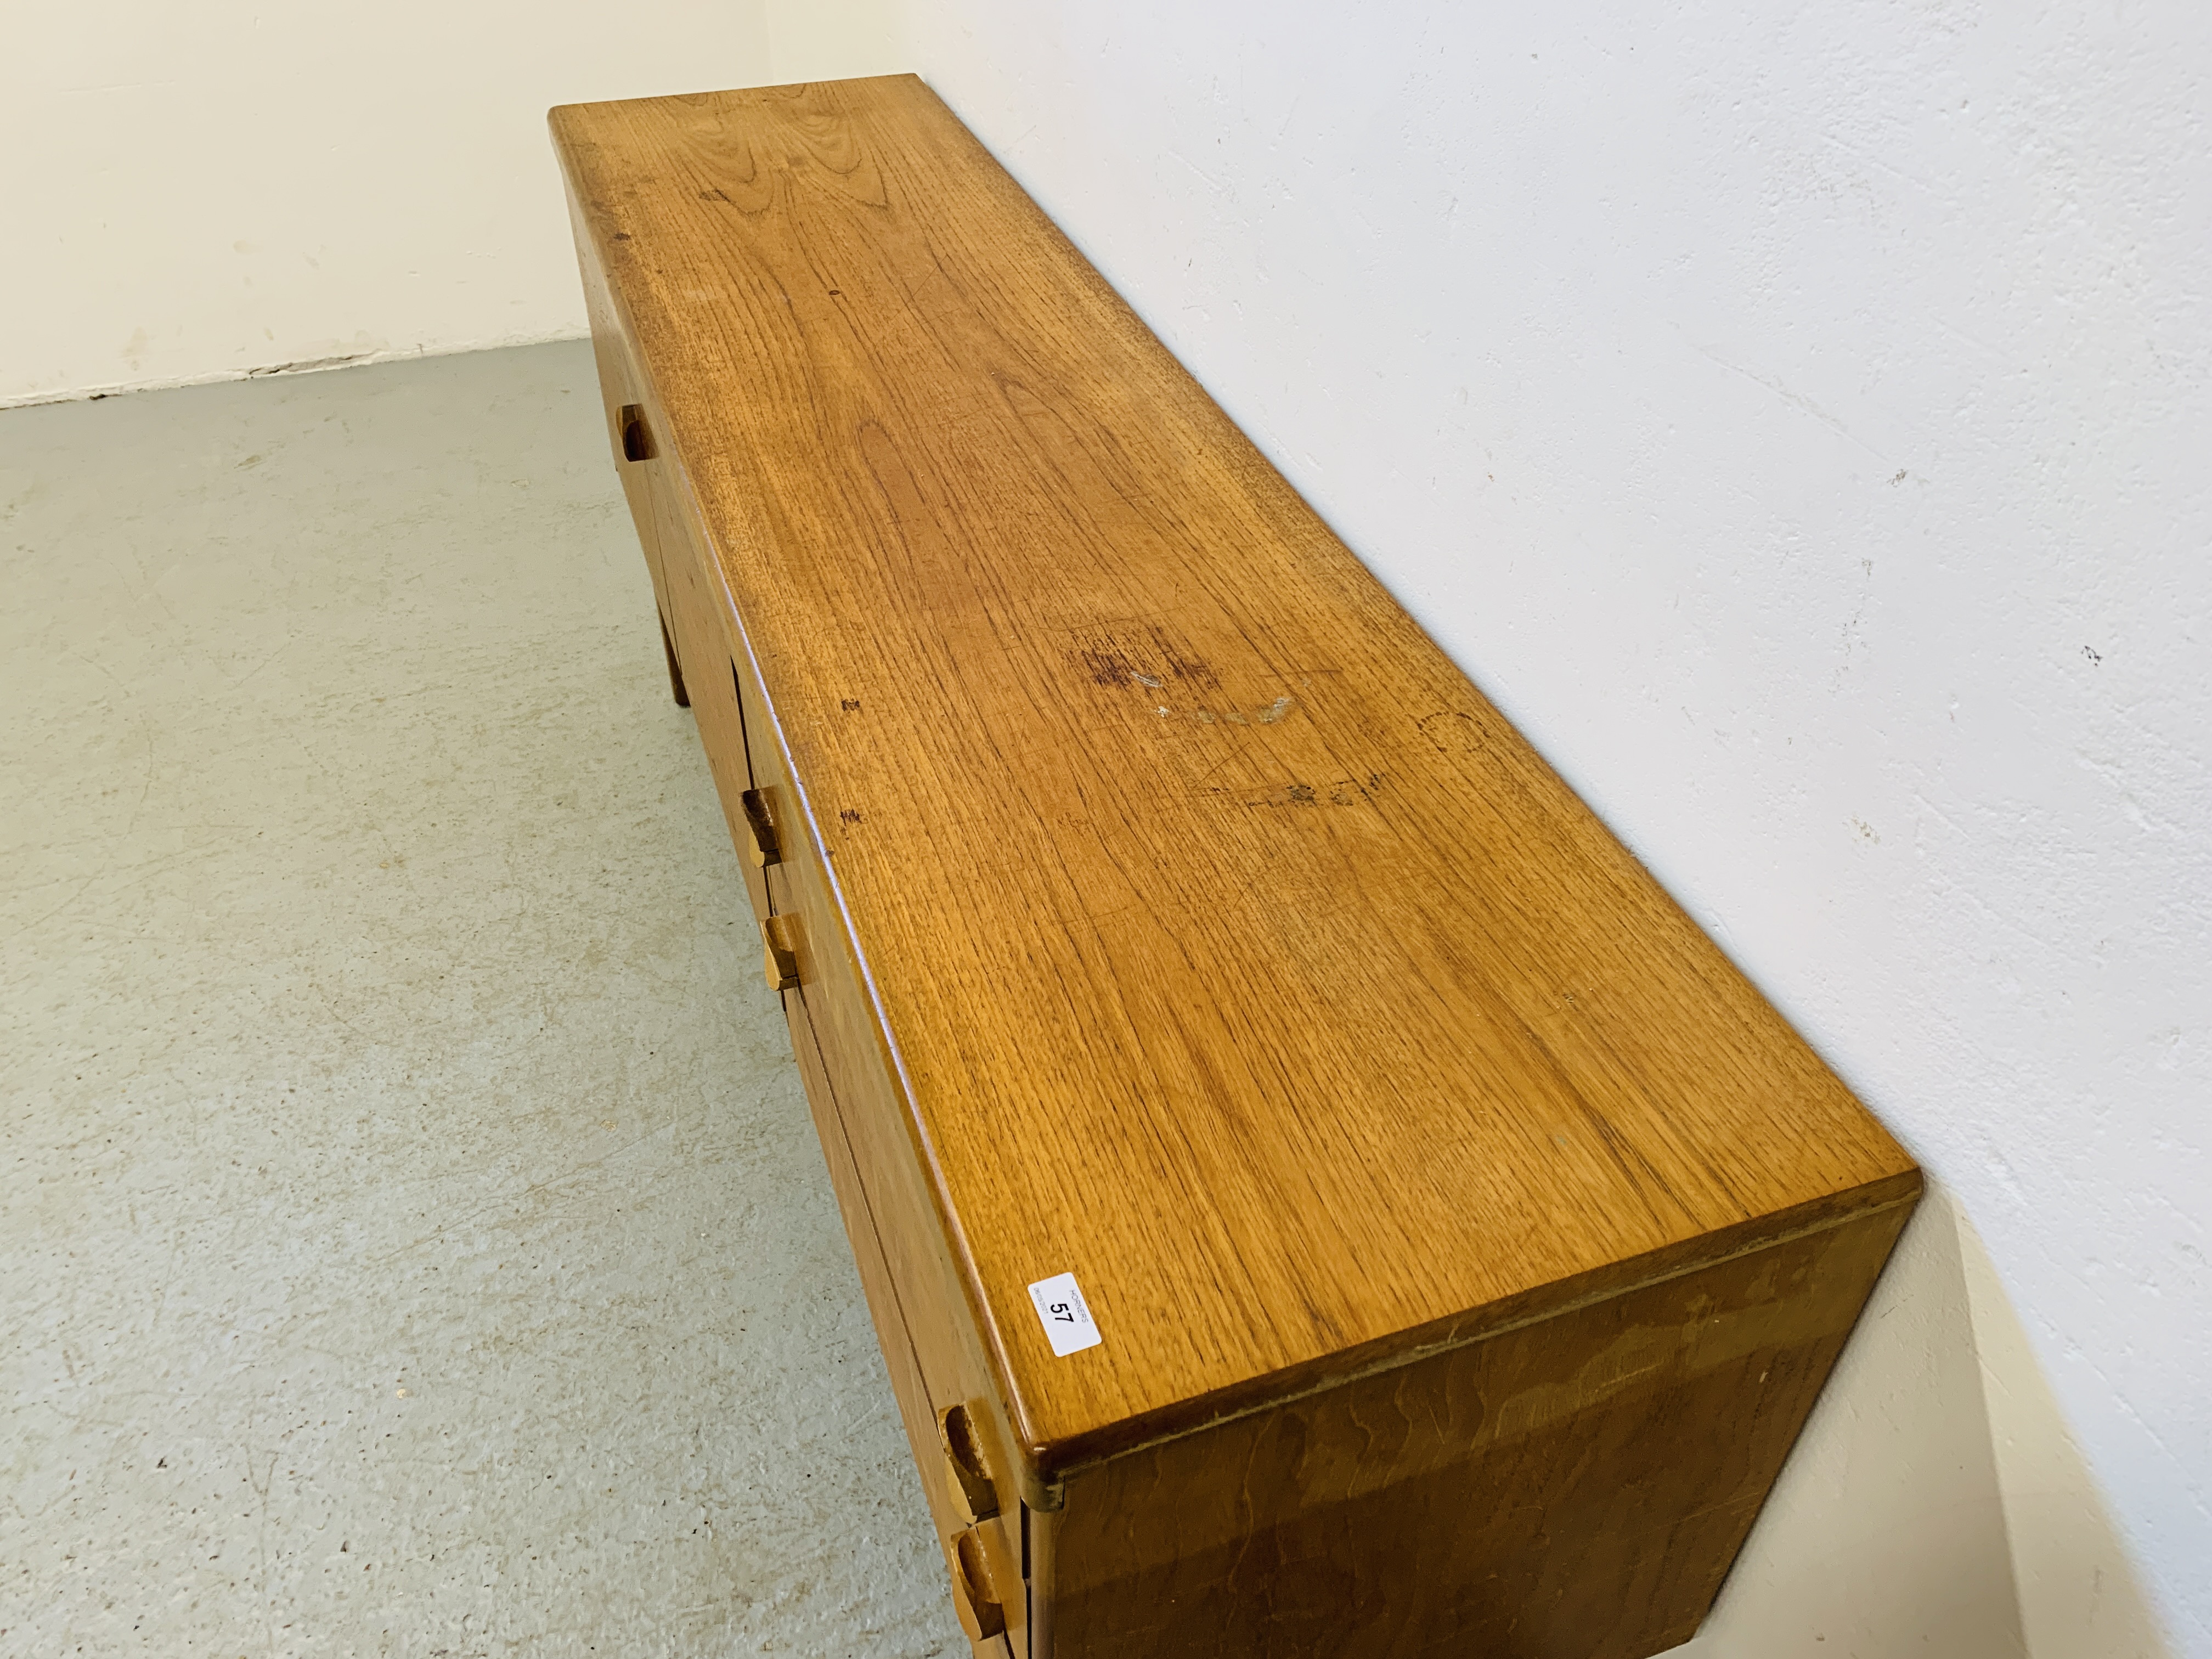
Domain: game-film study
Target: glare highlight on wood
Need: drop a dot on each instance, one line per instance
(1153, 902)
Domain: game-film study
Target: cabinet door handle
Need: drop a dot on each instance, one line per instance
(967, 1473)
(636, 436)
(978, 1600)
(781, 935)
(760, 818)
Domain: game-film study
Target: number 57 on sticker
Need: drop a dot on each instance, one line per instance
(1065, 1315)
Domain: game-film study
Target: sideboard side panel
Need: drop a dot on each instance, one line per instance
(1576, 1488)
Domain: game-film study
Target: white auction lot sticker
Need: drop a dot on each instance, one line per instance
(1065, 1315)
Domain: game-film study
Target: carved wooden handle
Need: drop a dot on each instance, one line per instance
(967, 1472)
(761, 819)
(637, 443)
(781, 935)
(976, 1597)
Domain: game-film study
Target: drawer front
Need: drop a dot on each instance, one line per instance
(675, 552)
(622, 388)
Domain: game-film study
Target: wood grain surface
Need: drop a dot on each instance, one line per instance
(1572, 1489)
(1222, 944)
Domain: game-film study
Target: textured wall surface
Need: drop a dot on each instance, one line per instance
(416, 1242)
(1796, 419)
(200, 192)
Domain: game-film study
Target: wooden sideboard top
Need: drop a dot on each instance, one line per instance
(1235, 955)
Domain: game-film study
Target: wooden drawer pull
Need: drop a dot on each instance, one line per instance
(637, 443)
(967, 1476)
(760, 818)
(781, 935)
(976, 1598)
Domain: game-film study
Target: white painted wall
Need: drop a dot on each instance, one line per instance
(1798, 419)
(197, 192)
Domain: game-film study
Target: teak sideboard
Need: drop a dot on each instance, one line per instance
(1317, 1193)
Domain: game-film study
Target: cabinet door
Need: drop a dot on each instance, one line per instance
(954, 1421)
(919, 1412)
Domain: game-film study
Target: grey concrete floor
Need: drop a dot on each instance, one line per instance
(413, 1239)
